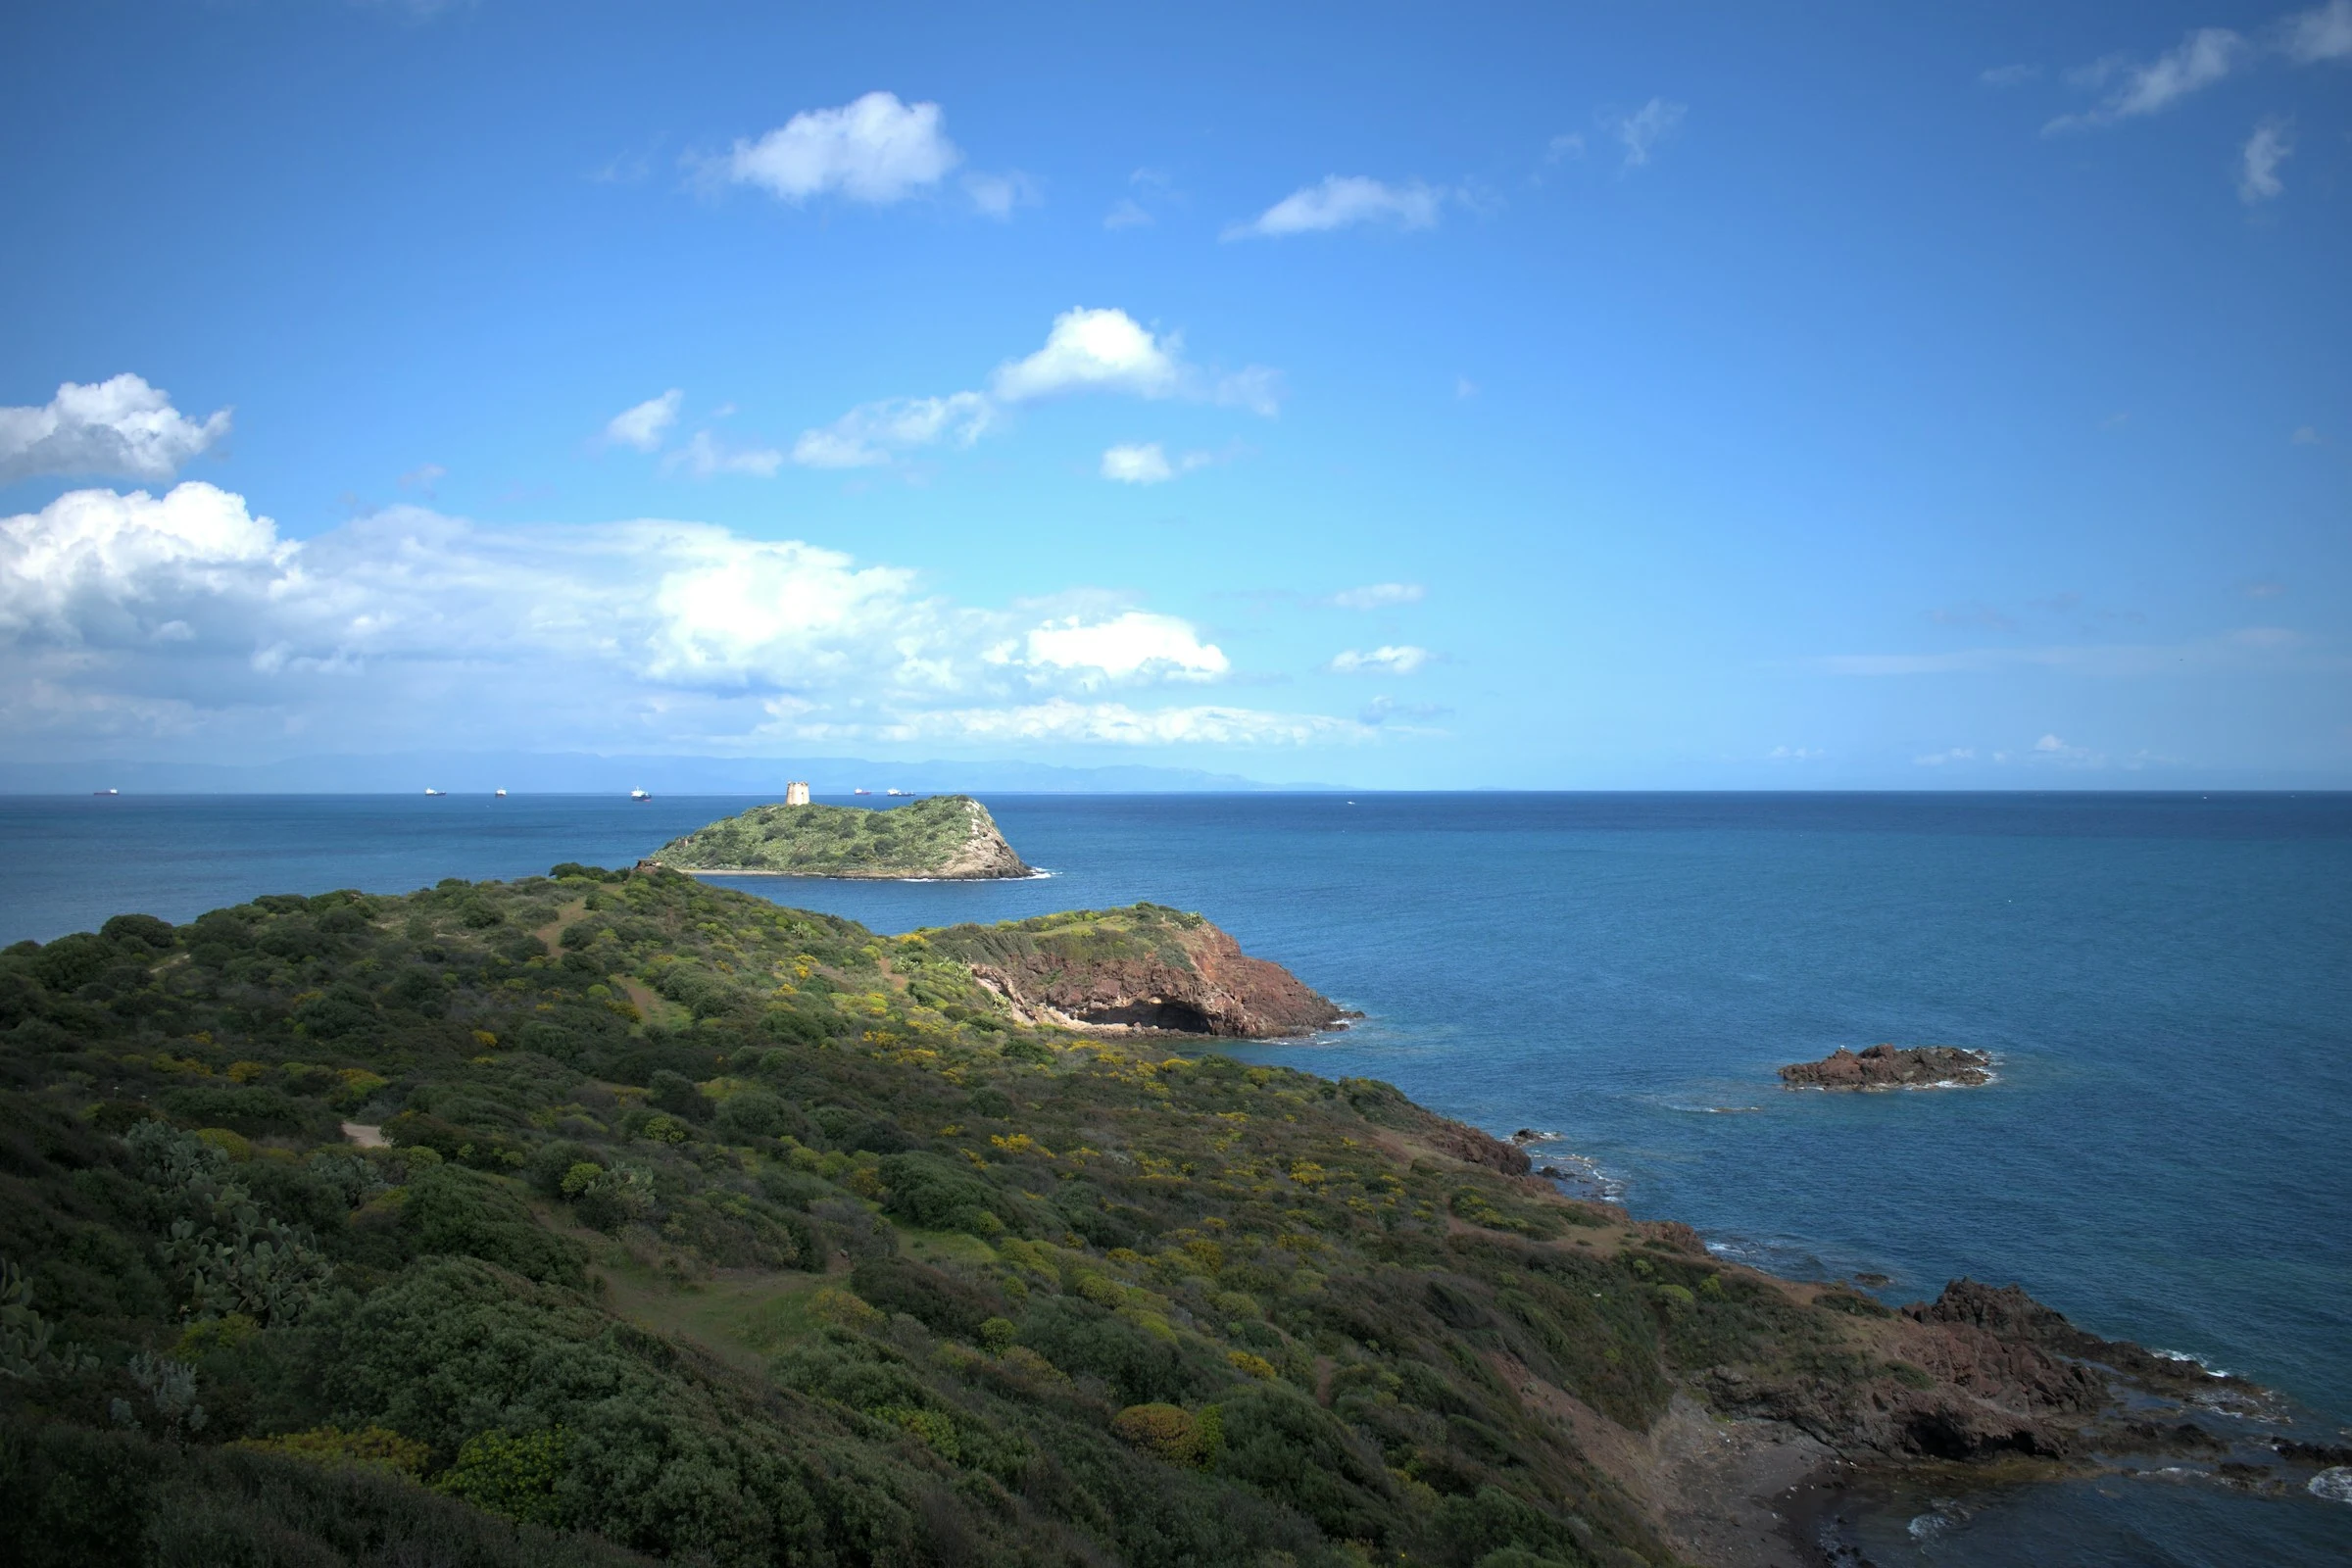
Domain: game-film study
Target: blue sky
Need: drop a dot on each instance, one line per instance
(1562, 395)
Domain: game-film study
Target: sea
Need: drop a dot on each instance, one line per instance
(2164, 981)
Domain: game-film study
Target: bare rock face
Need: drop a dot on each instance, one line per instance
(1889, 1067)
(1143, 968)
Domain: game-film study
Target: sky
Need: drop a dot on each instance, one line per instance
(1545, 396)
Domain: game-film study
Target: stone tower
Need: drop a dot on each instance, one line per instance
(796, 793)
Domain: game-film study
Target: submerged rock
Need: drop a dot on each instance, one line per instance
(1889, 1067)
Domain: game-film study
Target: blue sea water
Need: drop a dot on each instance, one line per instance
(2164, 980)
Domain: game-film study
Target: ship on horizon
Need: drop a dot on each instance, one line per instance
(431, 793)
(641, 795)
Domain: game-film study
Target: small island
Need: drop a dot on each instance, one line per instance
(1891, 1067)
(1146, 968)
(947, 837)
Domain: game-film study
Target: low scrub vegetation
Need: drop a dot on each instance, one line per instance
(707, 1230)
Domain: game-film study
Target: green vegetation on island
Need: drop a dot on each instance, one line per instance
(945, 836)
(708, 1230)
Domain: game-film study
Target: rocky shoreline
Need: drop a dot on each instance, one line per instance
(1990, 1389)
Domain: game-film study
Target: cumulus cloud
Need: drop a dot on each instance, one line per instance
(1379, 596)
(1094, 351)
(2202, 58)
(876, 150)
(2259, 160)
(117, 427)
(2324, 33)
(1641, 131)
(1087, 350)
(1400, 660)
(1343, 201)
(1136, 642)
(644, 426)
(137, 615)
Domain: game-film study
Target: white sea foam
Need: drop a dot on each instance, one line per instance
(2332, 1485)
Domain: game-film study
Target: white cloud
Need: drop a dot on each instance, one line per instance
(997, 195)
(1257, 388)
(2307, 436)
(2050, 749)
(1379, 596)
(1400, 660)
(703, 458)
(1117, 724)
(1138, 464)
(2324, 33)
(1147, 462)
(873, 433)
(125, 563)
(141, 616)
(876, 150)
(119, 427)
(2201, 59)
(1137, 642)
(2259, 160)
(1955, 754)
(644, 426)
(1641, 131)
(1564, 148)
(1086, 350)
(1127, 213)
(1343, 201)
(1094, 351)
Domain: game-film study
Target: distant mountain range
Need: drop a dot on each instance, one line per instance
(583, 773)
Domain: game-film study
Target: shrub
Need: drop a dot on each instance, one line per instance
(381, 1447)
(513, 1475)
(1165, 1431)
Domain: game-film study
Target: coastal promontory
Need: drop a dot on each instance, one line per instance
(1885, 1066)
(1146, 968)
(948, 837)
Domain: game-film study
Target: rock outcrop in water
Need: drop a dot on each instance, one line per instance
(1889, 1067)
(1146, 968)
(947, 837)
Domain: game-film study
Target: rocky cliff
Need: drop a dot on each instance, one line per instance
(1146, 968)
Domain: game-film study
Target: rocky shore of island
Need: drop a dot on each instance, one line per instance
(1885, 1066)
